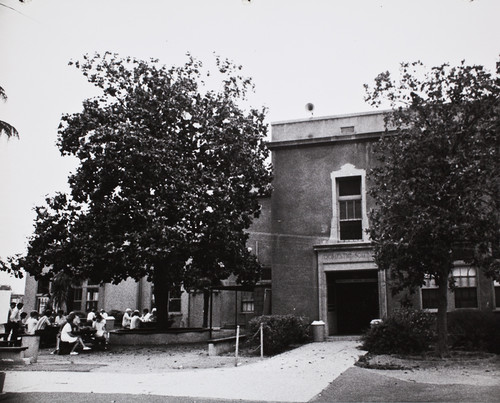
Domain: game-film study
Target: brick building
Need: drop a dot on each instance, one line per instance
(311, 240)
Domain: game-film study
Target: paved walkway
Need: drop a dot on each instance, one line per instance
(295, 376)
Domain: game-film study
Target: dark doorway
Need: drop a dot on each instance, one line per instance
(352, 301)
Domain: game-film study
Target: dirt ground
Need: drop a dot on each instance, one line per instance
(466, 368)
(136, 359)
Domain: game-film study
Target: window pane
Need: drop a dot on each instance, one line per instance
(357, 208)
(350, 211)
(349, 186)
(174, 305)
(350, 230)
(430, 298)
(466, 297)
(343, 210)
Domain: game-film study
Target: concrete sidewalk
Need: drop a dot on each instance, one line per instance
(295, 376)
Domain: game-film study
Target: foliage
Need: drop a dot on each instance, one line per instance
(405, 331)
(437, 182)
(280, 331)
(6, 128)
(474, 330)
(169, 177)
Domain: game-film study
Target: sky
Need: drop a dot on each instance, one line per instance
(296, 51)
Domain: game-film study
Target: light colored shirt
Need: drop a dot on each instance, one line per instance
(42, 323)
(126, 320)
(31, 325)
(100, 327)
(135, 322)
(66, 334)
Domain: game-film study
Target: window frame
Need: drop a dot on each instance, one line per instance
(346, 171)
(468, 282)
(431, 286)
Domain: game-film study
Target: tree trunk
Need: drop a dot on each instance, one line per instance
(161, 288)
(442, 320)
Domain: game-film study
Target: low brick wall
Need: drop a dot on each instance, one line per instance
(151, 337)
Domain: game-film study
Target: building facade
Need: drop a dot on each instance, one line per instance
(311, 240)
(322, 260)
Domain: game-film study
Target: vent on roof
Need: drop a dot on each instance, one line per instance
(347, 130)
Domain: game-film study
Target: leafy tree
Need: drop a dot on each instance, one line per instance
(6, 128)
(437, 186)
(168, 181)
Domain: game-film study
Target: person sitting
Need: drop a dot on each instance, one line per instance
(146, 315)
(101, 335)
(32, 322)
(60, 319)
(91, 316)
(69, 334)
(44, 321)
(135, 322)
(127, 318)
(152, 318)
(103, 313)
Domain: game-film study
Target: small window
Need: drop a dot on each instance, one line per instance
(42, 304)
(247, 302)
(43, 286)
(92, 299)
(174, 300)
(430, 294)
(465, 287)
(497, 294)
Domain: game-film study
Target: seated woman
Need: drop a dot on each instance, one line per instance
(101, 335)
(69, 335)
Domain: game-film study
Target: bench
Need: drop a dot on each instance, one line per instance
(223, 345)
(15, 354)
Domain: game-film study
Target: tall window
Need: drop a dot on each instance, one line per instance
(77, 299)
(349, 218)
(349, 199)
(92, 298)
(247, 302)
(465, 287)
(430, 293)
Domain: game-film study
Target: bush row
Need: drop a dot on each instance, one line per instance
(409, 331)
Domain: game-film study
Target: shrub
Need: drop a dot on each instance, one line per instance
(474, 330)
(280, 332)
(406, 331)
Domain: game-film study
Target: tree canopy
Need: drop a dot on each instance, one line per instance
(168, 181)
(437, 185)
(6, 128)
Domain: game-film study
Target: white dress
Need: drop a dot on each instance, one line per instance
(66, 334)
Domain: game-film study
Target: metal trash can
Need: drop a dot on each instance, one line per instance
(318, 329)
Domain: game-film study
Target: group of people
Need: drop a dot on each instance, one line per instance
(133, 319)
(71, 332)
(69, 327)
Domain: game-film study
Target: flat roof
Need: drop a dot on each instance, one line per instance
(331, 117)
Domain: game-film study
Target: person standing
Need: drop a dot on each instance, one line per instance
(32, 322)
(15, 319)
(8, 325)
